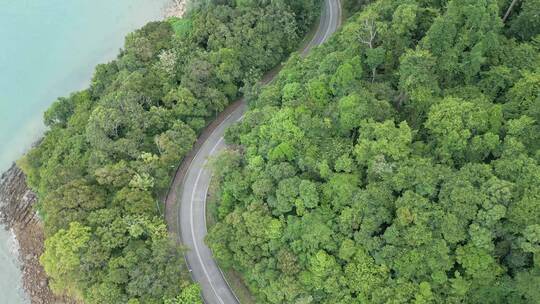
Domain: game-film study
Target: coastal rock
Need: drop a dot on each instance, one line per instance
(17, 212)
(177, 8)
(16, 199)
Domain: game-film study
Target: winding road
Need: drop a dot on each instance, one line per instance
(186, 201)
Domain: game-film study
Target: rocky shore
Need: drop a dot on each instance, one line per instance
(176, 8)
(18, 214)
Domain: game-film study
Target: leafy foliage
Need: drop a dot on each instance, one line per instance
(110, 150)
(398, 163)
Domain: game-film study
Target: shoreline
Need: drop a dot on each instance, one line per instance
(11, 257)
(18, 217)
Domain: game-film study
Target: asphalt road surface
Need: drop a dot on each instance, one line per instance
(193, 185)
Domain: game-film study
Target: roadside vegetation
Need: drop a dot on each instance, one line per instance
(398, 163)
(110, 150)
(233, 278)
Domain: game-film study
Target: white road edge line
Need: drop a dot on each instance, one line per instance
(200, 149)
(195, 241)
(329, 28)
(206, 227)
(310, 44)
(191, 208)
(204, 209)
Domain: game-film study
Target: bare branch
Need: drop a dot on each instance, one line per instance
(371, 29)
(509, 10)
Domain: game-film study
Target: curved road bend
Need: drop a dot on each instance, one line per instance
(190, 185)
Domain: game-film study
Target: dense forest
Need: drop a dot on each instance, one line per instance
(398, 163)
(110, 150)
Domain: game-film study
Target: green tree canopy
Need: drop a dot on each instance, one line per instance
(397, 163)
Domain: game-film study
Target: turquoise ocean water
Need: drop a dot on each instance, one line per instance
(49, 48)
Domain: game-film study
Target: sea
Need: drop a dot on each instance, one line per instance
(49, 48)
